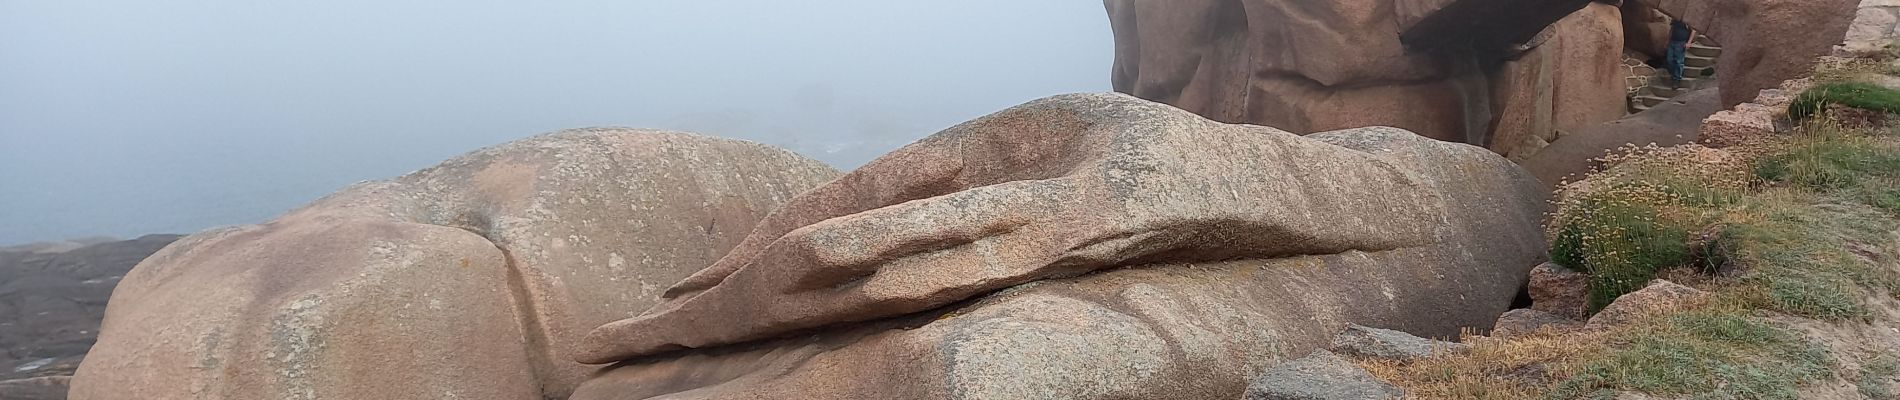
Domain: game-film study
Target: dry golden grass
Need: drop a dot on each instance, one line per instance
(1523, 367)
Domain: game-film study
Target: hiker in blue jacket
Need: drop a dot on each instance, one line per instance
(1679, 35)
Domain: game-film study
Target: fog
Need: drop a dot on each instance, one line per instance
(130, 117)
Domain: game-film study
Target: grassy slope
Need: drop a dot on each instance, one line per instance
(1783, 231)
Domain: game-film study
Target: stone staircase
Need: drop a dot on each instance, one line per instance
(1698, 72)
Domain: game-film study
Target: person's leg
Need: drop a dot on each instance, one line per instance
(1676, 58)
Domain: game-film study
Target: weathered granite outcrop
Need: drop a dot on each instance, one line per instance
(1088, 247)
(1081, 246)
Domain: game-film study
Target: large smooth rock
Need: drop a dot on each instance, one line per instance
(1311, 66)
(1089, 247)
(1570, 82)
(1053, 188)
(1764, 42)
(52, 297)
(1645, 30)
(472, 279)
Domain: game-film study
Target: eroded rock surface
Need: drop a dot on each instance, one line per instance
(1088, 247)
(1310, 66)
(1053, 188)
(473, 279)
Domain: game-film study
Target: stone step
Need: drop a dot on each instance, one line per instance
(1650, 101)
(1688, 74)
(1699, 62)
(1704, 51)
(1665, 91)
(1688, 80)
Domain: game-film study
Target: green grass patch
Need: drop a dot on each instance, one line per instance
(1874, 376)
(1854, 165)
(1847, 93)
(1775, 223)
(1705, 354)
(1798, 262)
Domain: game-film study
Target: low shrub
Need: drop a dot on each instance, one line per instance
(1622, 238)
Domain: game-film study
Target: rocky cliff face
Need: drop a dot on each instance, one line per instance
(1310, 66)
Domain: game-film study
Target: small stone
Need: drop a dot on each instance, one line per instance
(1524, 321)
(1660, 295)
(1559, 290)
(1319, 376)
(1364, 341)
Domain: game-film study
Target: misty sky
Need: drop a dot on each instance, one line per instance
(130, 117)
